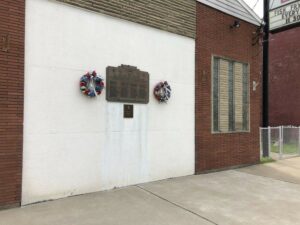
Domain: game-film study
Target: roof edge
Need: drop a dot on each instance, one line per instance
(256, 20)
(250, 10)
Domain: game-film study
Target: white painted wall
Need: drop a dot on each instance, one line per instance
(75, 145)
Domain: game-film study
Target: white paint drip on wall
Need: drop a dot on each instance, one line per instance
(75, 145)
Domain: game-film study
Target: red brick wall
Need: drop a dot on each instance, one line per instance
(11, 101)
(214, 37)
(284, 86)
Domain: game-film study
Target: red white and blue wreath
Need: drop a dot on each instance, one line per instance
(91, 84)
(162, 92)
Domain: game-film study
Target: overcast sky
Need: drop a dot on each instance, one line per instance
(258, 8)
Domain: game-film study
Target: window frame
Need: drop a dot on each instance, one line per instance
(212, 96)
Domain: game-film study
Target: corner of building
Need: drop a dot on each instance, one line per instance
(215, 37)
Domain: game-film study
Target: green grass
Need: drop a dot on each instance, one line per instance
(266, 160)
(291, 148)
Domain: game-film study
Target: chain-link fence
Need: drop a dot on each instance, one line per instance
(280, 142)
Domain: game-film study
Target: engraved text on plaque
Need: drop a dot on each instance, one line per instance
(127, 84)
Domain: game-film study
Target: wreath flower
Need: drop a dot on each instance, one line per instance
(91, 84)
(162, 92)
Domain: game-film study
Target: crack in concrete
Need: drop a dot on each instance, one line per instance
(177, 205)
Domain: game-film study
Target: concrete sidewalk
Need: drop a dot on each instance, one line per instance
(130, 205)
(285, 170)
(229, 198)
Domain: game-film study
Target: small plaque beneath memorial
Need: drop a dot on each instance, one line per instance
(127, 84)
(128, 111)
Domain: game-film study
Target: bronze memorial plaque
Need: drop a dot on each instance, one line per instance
(128, 111)
(127, 84)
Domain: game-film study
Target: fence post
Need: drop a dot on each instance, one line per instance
(269, 140)
(280, 141)
(260, 143)
(299, 140)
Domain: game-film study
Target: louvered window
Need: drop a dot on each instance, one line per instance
(230, 96)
